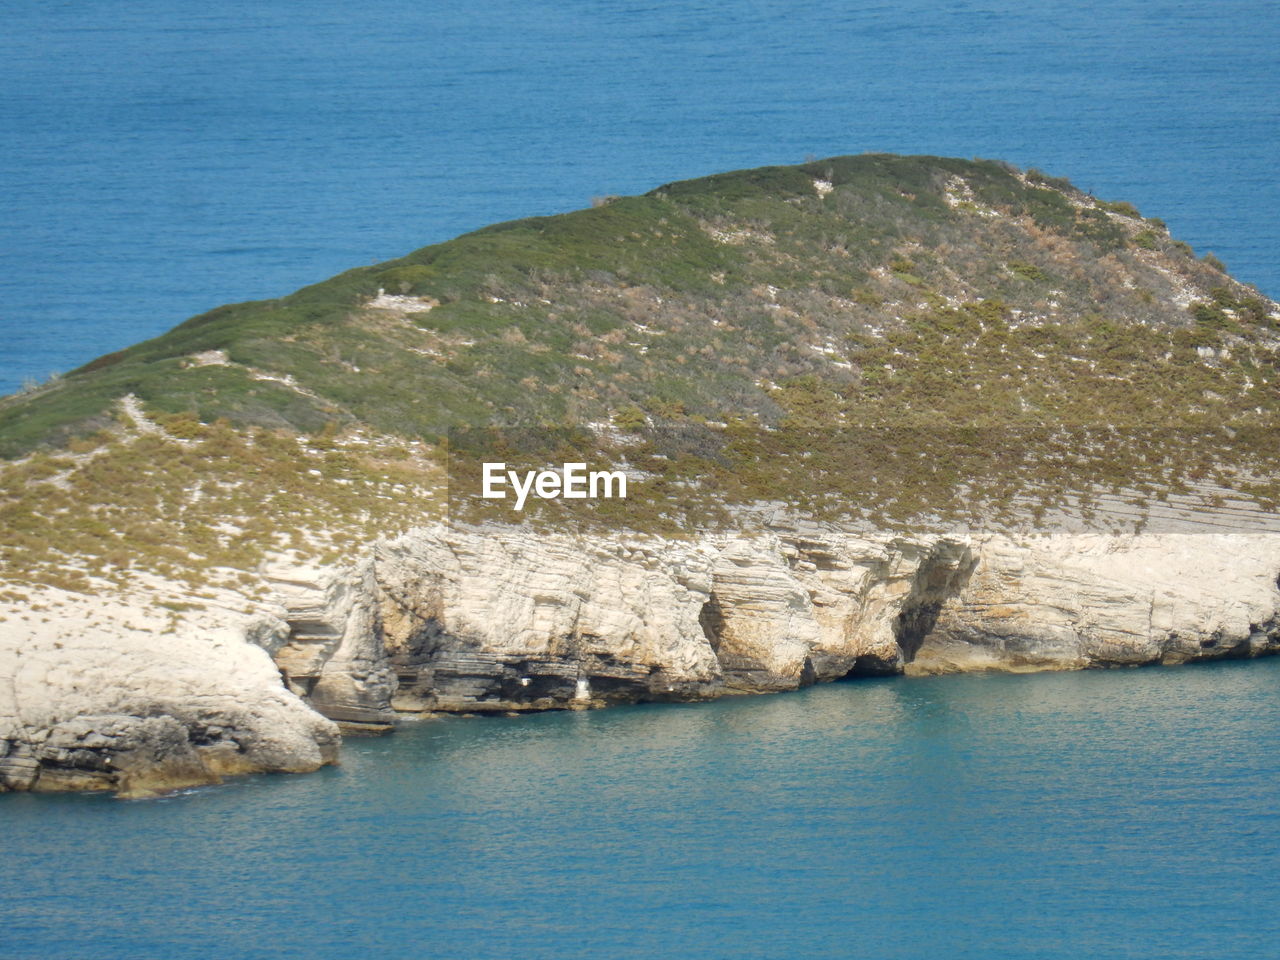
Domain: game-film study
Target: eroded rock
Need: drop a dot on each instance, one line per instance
(1066, 602)
(139, 712)
(499, 619)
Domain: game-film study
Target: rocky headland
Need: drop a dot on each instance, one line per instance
(503, 620)
(882, 415)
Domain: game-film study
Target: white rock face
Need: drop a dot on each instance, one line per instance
(134, 708)
(506, 619)
(498, 619)
(802, 606)
(503, 618)
(760, 621)
(333, 652)
(1088, 600)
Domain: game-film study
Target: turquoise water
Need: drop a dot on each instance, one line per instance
(158, 158)
(1102, 814)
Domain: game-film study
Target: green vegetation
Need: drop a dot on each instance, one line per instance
(759, 335)
(1146, 239)
(571, 317)
(1028, 271)
(1120, 207)
(202, 504)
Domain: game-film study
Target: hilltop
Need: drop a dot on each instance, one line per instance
(762, 335)
(692, 300)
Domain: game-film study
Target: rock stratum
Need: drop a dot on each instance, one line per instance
(503, 619)
(882, 415)
(500, 620)
(143, 711)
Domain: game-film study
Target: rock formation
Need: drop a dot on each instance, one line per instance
(1067, 602)
(141, 712)
(502, 619)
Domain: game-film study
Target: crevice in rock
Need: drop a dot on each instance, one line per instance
(913, 624)
(711, 619)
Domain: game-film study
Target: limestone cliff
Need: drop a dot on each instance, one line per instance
(1066, 602)
(137, 708)
(501, 619)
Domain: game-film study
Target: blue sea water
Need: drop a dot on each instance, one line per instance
(1120, 814)
(160, 158)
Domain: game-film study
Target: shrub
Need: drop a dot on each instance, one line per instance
(630, 418)
(1042, 179)
(1028, 271)
(1120, 207)
(184, 426)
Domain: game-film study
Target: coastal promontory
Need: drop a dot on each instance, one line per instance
(876, 415)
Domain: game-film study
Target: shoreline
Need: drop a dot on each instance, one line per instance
(501, 621)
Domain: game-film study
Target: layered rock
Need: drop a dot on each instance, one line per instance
(1067, 602)
(503, 618)
(499, 619)
(507, 619)
(333, 653)
(141, 711)
(808, 605)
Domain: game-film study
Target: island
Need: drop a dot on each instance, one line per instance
(868, 415)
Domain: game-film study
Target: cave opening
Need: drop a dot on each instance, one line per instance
(910, 628)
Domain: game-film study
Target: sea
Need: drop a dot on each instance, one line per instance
(1104, 814)
(160, 158)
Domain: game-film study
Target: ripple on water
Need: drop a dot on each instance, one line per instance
(970, 816)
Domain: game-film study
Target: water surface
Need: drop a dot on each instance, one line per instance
(158, 159)
(1100, 814)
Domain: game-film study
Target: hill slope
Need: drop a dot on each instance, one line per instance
(890, 338)
(688, 300)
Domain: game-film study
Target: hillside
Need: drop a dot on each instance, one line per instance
(880, 339)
